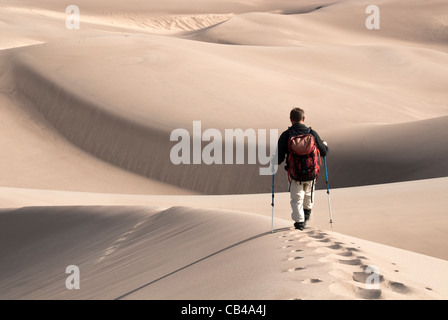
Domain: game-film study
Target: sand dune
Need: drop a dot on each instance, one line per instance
(86, 177)
(149, 242)
(176, 7)
(140, 253)
(335, 23)
(400, 215)
(69, 102)
(391, 153)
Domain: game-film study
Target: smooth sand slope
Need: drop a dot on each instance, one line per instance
(401, 215)
(135, 247)
(86, 176)
(184, 253)
(355, 86)
(87, 113)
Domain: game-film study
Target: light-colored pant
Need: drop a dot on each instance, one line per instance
(302, 194)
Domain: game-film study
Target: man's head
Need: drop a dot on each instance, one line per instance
(297, 115)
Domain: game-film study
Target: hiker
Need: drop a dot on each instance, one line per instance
(303, 170)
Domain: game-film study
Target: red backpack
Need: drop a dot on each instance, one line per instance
(303, 157)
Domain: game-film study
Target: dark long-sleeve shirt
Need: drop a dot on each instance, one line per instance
(296, 129)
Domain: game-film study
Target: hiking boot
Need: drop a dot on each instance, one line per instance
(307, 214)
(299, 225)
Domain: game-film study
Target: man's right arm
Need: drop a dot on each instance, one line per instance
(282, 147)
(321, 144)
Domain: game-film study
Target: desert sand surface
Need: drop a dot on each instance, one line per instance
(87, 177)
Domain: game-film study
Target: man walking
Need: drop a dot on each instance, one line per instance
(301, 186)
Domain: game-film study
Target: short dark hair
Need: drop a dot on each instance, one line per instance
(296, 114)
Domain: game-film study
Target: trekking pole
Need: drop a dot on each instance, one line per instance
(328, 191)
(272, 204)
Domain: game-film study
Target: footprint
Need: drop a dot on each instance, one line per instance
(119, 242)
(346, 254)
(296, 269)
(353, 249)
(110, 250)
(335, 246)
(399, 287)
(350, 290)
(319, 236)
(311, 281)
(294, 258)
(352, 262)
(368, 293)
(362, 277)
